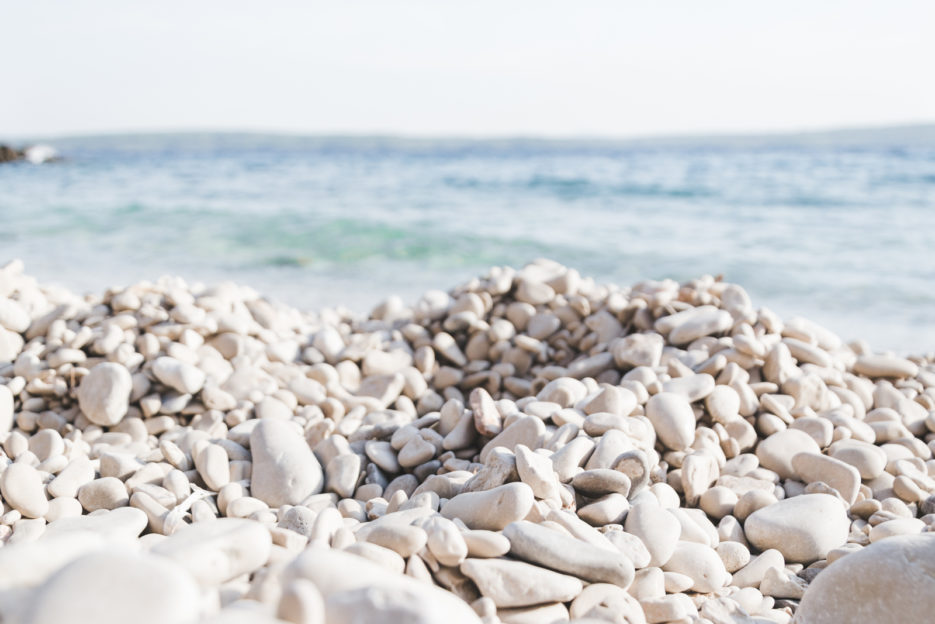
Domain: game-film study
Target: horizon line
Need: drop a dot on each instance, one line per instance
(481, 137)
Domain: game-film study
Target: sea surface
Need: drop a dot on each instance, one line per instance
(842, 234)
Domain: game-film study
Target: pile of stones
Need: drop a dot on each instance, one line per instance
(531, 446)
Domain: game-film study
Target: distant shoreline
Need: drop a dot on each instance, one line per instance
(907, 135)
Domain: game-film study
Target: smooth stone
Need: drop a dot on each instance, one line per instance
(601, 481)
(21, 487)
(702, 321)
(723, 404)
(27, 564)
(104, 493)
(445, 541)
(700, 563)
(216, 551)
(606, 602)
(519, 584)
(898, 526)
(122, 523)
(751, 575)
(285, 471)
(803, 528)
(884, 366)
(536, 471)
(406, 540)
(869, 460)
(487, 418)
(527, 430)
(673, 419)
(104, 394)
(812, 467)
(491, 509)
(638, 350)
(301, 603)
(178, 375)
(889, 582)
(485, 543)
(115, 588)
(563, 553)
(781, 583)
(13, 316)
(357, 591)
(734, 555)
(213, 467)
(609, 509)
(658, 529)
(776, 452)
(343, 474)
(631, 546)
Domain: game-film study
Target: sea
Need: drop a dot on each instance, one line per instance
(839, 230)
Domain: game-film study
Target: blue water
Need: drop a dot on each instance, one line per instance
(845, 236)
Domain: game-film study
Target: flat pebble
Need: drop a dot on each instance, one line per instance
(518, 584)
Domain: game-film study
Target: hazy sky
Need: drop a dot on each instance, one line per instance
(473, 67)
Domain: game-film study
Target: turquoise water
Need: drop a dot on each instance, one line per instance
(842, 235)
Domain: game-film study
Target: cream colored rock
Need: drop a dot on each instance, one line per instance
(518, 584)
(700, 563)
(21, 487)
(812, 467)
(890, 582)
(358, 591)
(885, 366)
(115, 588)
(776, 452)
(491, 509)
(559, 551)
(219, 550)
(657, 528)
(104, 393)
(180, 376)
(802, 528)
(104, 493)
(285, 470)
(672, 417)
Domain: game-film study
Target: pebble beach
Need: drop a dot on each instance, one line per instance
(530, 446)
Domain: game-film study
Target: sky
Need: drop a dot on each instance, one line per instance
(468, 68)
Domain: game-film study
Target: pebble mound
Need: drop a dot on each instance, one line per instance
(531, 446)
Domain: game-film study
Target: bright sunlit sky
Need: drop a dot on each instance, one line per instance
(478, 67)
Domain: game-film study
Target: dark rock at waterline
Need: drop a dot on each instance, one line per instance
(9, 154)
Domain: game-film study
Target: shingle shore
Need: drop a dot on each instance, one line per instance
(529, 447)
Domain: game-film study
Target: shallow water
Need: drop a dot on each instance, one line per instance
(845, 236)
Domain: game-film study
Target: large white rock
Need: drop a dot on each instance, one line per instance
(104, 393)
(216, 551)
(803, 528)
(116, 588)
(285, 471)
(357, 591)
(889, 582)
